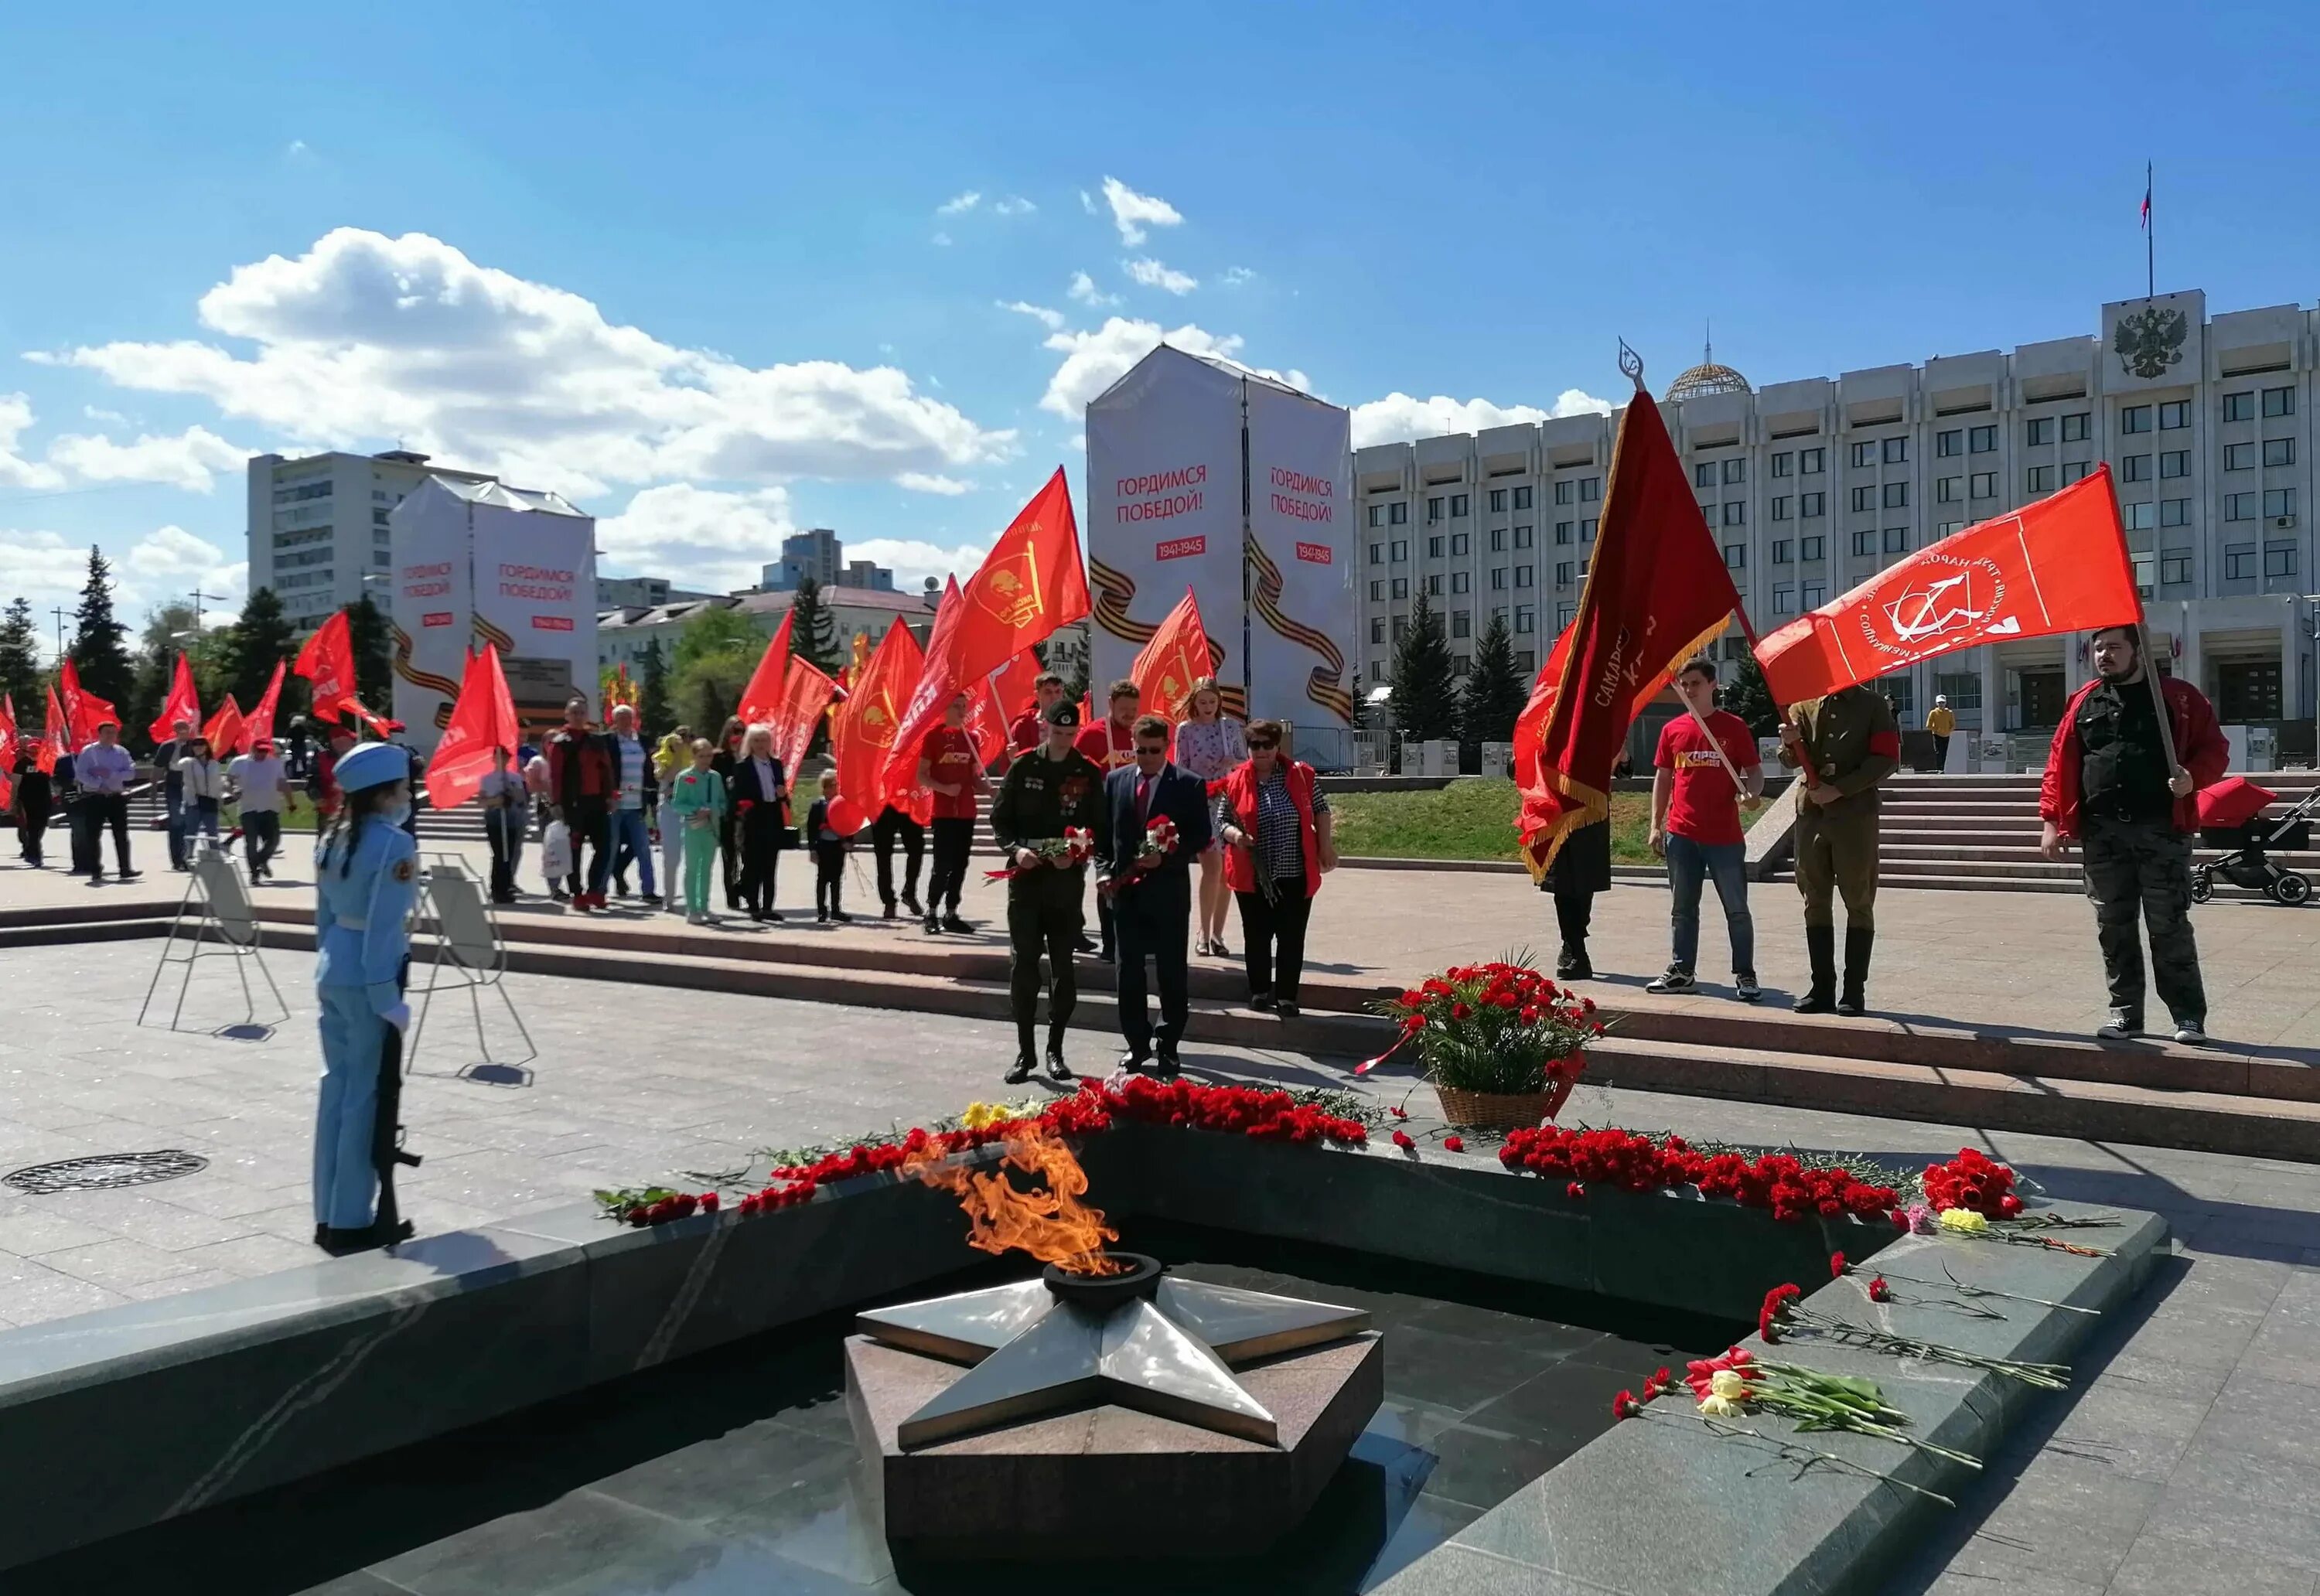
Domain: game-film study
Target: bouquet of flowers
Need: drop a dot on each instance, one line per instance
(1159, 839)
(1501, 1026)
(1075, 846)
(1973, 1180)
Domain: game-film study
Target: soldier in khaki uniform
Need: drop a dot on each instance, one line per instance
(1842, 745)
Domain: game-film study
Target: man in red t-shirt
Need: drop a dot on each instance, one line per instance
(1030, 728)
(1696, 825)
(1111, 744)
(949, 768)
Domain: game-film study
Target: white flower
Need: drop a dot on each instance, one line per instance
(1721, 1406)
(1727, 1383)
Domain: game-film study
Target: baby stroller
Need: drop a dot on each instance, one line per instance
(2229, 819)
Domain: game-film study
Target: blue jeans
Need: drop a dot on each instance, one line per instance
(1688, 863)
(345, 1181)
(631, 836)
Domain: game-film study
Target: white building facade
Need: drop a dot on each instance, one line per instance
(318, 525)
(1812, 486)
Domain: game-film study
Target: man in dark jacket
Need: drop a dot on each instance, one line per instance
(581, 782)
(2109, 785)
(173, 791)
(1050, 790)
(1581, 868)
(1151, 892)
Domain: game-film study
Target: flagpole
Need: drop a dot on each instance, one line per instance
(2149, 239)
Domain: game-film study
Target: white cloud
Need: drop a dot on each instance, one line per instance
(1014, 204)
(367, 337)
(1152, 274)
(1076, 443)
(1130, 211)
(111, 418)
(921, 482)
(1084, 290)
(1087, 202)
(187, 460)
(1398, 417)
(163, 566)
(1235, 276)
(941, 241)
(15, 471)
(1579, 401)
(1093, 361)
(959, 204)
(912, 560)
(1052, 320)
(698, 537)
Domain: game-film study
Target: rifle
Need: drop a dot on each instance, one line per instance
(387, 1148)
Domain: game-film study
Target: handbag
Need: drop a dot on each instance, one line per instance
(555, 851)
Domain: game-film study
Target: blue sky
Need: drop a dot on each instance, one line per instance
(716, 277)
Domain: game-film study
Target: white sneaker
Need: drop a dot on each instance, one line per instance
(2118, 1028)
(1675, 978)
(2192, 1033)
(696, 918)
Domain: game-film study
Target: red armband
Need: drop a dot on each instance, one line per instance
(1887, 743)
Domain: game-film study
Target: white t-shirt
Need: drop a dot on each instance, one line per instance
(260, 781)
(203, 778)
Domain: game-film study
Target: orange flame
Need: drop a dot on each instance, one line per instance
(1055, 1226)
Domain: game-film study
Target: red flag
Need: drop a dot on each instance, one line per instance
(483, 719)
(2058, 566)
(56, 734)
(84, 712)
(1177, 656)
(986, 723)
(8, 745)
(1656, 593)
(225, 730)
(183, 704)
(260, 721)
(761, 700)
(940, 680)
(1030, 582)
(862, 729)
(353, 706)
(804, 696)
(328, 661)
(1013, 685)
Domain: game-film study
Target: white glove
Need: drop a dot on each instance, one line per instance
(399, 1017)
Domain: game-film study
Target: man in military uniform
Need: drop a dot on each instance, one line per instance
(1841, 747)
(1046, 792)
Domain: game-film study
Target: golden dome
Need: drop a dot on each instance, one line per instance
(1707, 377)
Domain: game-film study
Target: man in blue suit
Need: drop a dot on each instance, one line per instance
(1151, 892)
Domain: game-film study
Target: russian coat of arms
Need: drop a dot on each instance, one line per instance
(2150, 341)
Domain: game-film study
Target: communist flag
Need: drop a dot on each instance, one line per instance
(84, 712)
(1656, 593)
(225, 730)
(862, 729)
(940, 680)
(761, 699)
(1030, 582)
(1177, 656)
(328, 661)
(260, 721)
(806, 693)
(1012, 686)
(2059, 565)
(483, 719)
(351, 705)
(56, 735)
(183, 704)
(986, 723)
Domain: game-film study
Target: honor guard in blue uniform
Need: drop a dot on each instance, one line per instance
(366, 883)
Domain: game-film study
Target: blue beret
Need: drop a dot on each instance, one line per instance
(370, 764)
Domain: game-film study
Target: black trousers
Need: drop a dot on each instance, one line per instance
(1153, 916)
(1043, 918)
(728, 848)
(82, 833)
(589, 822)
(261, 837)
(1573, 910)
(503, 830)
(30, 826)
(890, 827)
(761, 858)
(829, 871)
(1273, 937)
(1107, 923)
(105, 809)
(954, 840)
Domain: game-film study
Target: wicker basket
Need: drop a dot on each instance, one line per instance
(1501, 1111)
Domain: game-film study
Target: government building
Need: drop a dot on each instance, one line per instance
(1811, 487)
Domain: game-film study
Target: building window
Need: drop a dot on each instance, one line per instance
(1736, 556)
(2135, 469)
(2139, 518)
(1735, 512)
(1896, 539)
(1526, 620)
(2076, 471)
(1811, 462)
(1397, 514)
(2239, 407)
(1497, 539)
(1498, 499)
(1564, 616)
(1377, 554)
(1703, 473)
(1401, 587)
(1813, 594)
(1564, 491)
(2132, 418)
(1377, 592)
(1377, 628)
(1952, 442)
(1434, 547)
(2174, 414)
(1586, 530)
(1499, 579)
(1522, 498)
(1864, 453)
(1561, 532)
(1780, 506)
(1864, 541)
(1433, 510)
(1784, 464)
(1897, 450)
(1522, 576)
(2175, 462)
(2239, 506)
(2280, 402)
(2075, 427)
(2279, 452)
(2038, 431)
(1962, 688)
(1461, 580)
(2280, 559)
(1377, 515)
(1590, 488)
(2038, 479)
(1525, 661)
(1946, 528)
(2238, 457)
(2174, 513)
(1901, 690)
(1461, 543)
(1784, 598)
(1782, 550)
(1523, 538)
(1897, 495)
(1949, 489)
(1434, 587)
(1812, 548)
(2175, 566)
(1400, 626)
(1864, 497)
(1563, 574)
(1461, 664)
(1809, 505)
(1461, 623)
(2279, 501)
(1736, 470)
(1400, 550)
(2239, 562)
(1981, 441)
(1458, 506)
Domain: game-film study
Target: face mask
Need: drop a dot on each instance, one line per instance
(394, 814)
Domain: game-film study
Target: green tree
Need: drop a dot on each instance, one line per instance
(716, 651)
(1751, 698)
(244, 655)
(1495, 691)
(1424, 702)
(99, 645)
(373, 648)
(20, 661)
(167, 628)
(813, 629)
(652, 695)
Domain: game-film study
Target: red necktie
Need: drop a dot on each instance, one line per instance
(1143, 799)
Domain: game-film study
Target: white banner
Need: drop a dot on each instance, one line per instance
(536, 600)
(429, 605)
(1164, 512)
(1300, 554)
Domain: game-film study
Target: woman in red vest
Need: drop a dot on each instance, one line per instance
(1277, 843)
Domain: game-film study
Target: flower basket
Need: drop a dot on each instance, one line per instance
(1501, 1111)
(1501, 1043)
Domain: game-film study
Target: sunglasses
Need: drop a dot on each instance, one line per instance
(1259, 744)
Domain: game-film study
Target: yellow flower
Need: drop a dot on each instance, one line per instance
(1728, 1385)
(1720, 1407)
(1963, 1218)
(979, 1114)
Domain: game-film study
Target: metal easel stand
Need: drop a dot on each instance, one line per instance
(226, 923)
(468, 951)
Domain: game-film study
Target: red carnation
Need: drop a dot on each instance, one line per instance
(1454, 1144)
(1624, 1405)
(1574, 1190)
(1879, 1291)
(1401, 1140)
(1835, 1265)
(1399, 1113)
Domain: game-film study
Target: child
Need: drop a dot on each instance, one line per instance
(671, 760)
(204, 784)
(829, 853)
(697, 800)
(506, 803)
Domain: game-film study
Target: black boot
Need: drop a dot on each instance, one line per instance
(1857, 941)
(1820, 947)
(1057, 1070)
(1573, 964)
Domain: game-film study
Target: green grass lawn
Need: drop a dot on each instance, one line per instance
(1467, 820)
